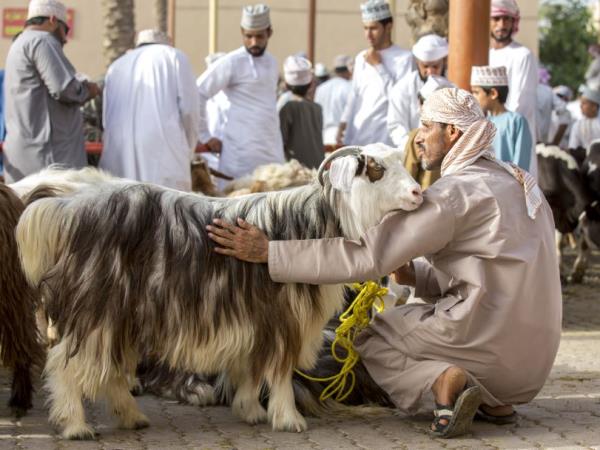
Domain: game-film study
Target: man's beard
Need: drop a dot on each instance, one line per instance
(507, 38)
(256, 51)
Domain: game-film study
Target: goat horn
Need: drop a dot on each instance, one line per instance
(351, 150)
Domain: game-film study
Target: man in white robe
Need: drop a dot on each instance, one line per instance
(430, 53)
(376, 70)
(520, 64)
(489, 331)
(151, 114)
(332, 95)
(248, 76)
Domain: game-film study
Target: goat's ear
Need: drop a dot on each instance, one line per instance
(361, 165)
(375, 171)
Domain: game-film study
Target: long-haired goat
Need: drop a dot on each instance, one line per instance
(128, 269)
(20, 347)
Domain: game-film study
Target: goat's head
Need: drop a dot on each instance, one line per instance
(365, 183)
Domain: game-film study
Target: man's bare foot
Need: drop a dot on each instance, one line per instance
(448, 386)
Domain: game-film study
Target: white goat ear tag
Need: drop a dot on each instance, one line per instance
(342, 171)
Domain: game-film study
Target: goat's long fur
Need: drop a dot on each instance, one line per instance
(127, 269)
(20, 346)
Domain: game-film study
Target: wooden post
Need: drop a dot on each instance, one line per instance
(469, 39)
(171, 20)
(213, 21)
(312, 22)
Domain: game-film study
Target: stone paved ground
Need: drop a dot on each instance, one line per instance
(565, 415)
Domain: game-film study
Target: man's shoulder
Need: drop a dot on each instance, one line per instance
(33, 38)
(408, 81)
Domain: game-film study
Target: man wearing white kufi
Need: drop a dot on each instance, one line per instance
(43, 96)
(430, 53)
(487, 336)
(375, 71)
(248, 76)
(332, 96)
(586, 129)
(151, 114)
(301, 119)
(520, 64)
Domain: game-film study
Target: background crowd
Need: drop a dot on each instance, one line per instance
(248, 110)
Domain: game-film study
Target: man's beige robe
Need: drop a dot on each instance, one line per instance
(492, 284)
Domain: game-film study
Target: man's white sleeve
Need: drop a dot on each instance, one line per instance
(187, 99)
(216, 78)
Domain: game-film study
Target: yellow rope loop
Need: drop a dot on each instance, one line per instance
(355, 319)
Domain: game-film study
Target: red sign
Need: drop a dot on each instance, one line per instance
(13, 21)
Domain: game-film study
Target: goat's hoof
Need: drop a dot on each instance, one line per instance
(79, 433)
(252, 414)
(576, 277)
(136, 387)
(19, 411)
(136, 423)
(292, 422)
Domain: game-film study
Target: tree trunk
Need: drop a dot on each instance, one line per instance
(427, 16)
(160, 14)
(119, 28)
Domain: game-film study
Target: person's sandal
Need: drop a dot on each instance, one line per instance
(511, 418)
(459, 417)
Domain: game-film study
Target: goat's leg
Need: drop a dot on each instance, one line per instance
(65, 394)
(581, 262)
(283, 414)
(123, 405)
(21, 390)
(246, 401)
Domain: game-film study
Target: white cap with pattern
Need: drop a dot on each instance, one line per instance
(47, 8)
(489, 76)
(297, 71)
(151, 36)
(375, 10)
(430, 47)
(341, 61)
(255, 17)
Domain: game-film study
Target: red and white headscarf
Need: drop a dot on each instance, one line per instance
(507, 8)
(459, 108)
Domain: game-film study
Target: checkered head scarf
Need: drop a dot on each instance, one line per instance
(507, 8)
(459, 108)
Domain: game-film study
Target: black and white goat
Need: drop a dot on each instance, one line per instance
(127, 269)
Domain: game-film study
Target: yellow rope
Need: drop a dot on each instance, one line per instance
(353, 321)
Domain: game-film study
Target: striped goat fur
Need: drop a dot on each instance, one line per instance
(126, 269)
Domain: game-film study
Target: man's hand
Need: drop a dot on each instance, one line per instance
(93, 90)
(405, 275)
(339, 138)
(244, 242)
(215, 145)
(373, 57)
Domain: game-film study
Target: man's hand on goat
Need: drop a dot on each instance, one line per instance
(244, 241)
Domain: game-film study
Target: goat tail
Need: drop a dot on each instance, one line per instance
(39, 233)
(21, 347)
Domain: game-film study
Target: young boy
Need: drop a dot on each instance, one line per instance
(513, 141)
(301, 120)
(587, 129)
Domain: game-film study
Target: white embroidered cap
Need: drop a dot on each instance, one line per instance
(255, 17)
(151, 36)
(591, 94)
(489, 76)
(433, 83)
(297, 71)
(375, 10)
(47, 8)
(341, 61)
(430, 47)
(321, 70)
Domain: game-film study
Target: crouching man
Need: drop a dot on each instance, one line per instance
(488, 336)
